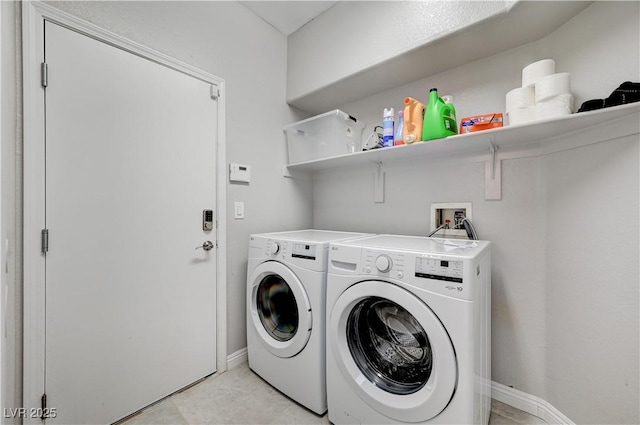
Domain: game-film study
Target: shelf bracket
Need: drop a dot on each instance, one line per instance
(286, 172)
(493, 175)
(378, 185)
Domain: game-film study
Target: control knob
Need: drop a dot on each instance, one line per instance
(383, 263)
(274, 248)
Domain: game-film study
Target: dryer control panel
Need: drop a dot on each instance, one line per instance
(311, 256)
(434, 268)
(306, 251)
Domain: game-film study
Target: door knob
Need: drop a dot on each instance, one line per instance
(207, 246)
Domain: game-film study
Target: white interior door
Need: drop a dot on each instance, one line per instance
(130, 167)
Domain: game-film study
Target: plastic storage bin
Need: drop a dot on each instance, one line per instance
(330, 134)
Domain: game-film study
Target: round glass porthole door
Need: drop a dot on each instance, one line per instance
(277, 307)
(393, 351)
(389, 346)
(280, 309)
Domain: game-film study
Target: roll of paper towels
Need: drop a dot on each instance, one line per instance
(537, 71)
(522, 97)
(554, 107)
(522, 115)
(553, 85)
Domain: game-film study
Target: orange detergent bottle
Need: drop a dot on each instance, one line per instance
(413, 119)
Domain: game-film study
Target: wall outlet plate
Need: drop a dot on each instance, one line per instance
(238, 210)
(453, 211)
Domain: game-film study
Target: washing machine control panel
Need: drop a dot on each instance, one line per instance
(386, 264)
(406, 266)
(439, 269)
(274, 248)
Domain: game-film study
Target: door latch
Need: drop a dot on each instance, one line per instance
(207, 246)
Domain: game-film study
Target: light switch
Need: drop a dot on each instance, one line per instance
(239, 173)
(238, 210)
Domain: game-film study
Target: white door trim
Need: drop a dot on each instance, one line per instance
(33, 16)
(3, 252)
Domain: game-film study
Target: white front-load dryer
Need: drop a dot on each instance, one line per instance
(408, 331)
(286, 305)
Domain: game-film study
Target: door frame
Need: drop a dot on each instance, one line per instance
(34, 13)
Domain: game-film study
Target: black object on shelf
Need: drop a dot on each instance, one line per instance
(627, 92)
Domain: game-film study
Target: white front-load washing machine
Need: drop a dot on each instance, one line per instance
(286, 295)
(408, 331)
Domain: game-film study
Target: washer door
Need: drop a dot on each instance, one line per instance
(393, 350)
(280, 309)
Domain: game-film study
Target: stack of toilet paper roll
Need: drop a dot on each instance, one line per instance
(544, 94)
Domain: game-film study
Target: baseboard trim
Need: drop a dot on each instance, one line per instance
(237, 358)
(529, 403)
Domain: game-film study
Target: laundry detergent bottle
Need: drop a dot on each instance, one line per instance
(439, 119)
(413, 119)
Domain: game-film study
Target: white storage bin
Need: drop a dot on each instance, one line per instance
(330, 134)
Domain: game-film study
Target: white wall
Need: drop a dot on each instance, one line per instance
(565, 316)
(375, 46)
(227, 40)
(320, 57)
(591, 281)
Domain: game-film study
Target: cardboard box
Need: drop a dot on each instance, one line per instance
(481, 122)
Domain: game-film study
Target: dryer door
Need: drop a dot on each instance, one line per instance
(280, 309)
(393, 350)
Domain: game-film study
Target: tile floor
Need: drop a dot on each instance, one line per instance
(239, 396)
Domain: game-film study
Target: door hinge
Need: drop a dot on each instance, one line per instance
(45, 241)
(215, 91)
(44, 74)
(43, 402)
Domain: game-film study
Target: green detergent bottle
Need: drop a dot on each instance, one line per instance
(439, 119)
